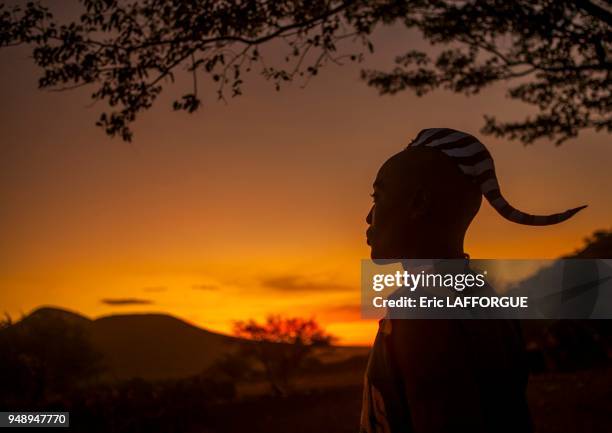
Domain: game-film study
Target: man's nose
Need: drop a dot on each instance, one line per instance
(369, 217)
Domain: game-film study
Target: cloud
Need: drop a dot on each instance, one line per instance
(126, 301)
(155, 289)
(205, 287)
(302, 283)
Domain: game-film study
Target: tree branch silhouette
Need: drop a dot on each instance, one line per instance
(555, 54)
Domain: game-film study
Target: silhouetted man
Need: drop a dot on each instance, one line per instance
(442, 375)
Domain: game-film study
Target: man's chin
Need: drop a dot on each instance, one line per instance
(374, 255)
(382, 259)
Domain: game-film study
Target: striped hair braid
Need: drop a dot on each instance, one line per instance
(475, 161)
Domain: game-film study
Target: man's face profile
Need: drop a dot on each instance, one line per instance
(395, 209)
(422, 207)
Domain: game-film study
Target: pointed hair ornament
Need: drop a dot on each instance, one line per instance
(475, 161)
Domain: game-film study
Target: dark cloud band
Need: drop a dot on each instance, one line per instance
(126, 301)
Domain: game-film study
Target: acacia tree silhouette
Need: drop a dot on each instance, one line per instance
(283, 344)
(557, 51)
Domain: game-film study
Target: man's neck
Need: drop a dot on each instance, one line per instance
(432, 252)
(438, 246)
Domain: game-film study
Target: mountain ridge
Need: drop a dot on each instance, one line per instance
(153, 346)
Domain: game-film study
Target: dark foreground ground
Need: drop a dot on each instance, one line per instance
(579, 401)
(46, 364)
(559, 402)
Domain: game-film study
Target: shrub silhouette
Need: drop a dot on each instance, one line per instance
(283, 345)
(43, 356)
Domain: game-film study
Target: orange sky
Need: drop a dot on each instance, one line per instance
(251, 207)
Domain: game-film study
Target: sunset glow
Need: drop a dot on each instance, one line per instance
(252, 207)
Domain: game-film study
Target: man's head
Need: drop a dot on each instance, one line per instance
(427, 195)
(423, 205)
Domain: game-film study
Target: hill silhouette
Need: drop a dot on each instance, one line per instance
(155, 346)
(148, 346)
(575, 343)
(597, 246)
(53, 313)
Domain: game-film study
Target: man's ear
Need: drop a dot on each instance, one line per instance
(419, 203)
